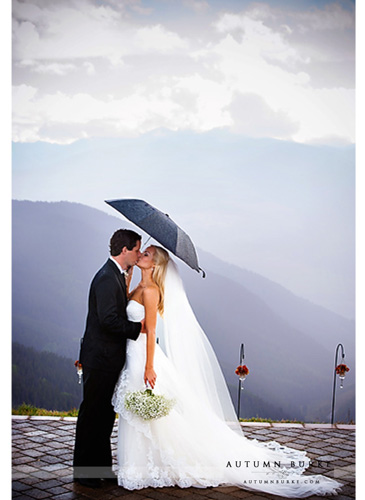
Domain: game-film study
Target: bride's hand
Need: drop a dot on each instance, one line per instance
(150, 377)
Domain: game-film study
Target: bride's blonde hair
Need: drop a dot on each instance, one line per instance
(161, 259)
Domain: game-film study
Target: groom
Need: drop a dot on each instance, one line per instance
(102, 355)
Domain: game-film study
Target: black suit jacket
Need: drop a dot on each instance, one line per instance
(107, 327)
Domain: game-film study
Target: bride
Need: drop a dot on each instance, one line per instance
(200, 443)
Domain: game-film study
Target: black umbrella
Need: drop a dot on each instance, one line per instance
(160, 227)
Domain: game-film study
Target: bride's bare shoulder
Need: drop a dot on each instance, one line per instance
(151, 293)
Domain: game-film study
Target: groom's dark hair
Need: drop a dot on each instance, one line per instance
(123, 238)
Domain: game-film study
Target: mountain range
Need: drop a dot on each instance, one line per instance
(289, 342)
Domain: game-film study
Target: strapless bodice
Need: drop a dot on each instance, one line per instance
(135, 311)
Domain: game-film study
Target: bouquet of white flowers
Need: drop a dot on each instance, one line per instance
(147, 405)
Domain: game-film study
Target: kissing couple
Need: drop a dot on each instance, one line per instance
(191, 446)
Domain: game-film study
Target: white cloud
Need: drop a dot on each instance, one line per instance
(258, 38)
(210, 102)
(253, 117)
(90, 68)
(330, 110)
(274, 57)
(315, 112)
(157, 39)
(86, 31)
(55, 68)
(81, 112)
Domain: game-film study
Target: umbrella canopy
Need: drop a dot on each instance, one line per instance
(160, 227)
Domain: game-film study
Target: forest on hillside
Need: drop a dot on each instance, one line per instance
(43, 379)
(47, 380)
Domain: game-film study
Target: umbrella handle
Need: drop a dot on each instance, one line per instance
(202, 270)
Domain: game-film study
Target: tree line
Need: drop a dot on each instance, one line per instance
(43, 379)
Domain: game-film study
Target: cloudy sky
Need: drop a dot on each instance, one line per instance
(236, 117)
(113, 68)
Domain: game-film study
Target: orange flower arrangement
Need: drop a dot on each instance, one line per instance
(342, 369)
(242, 371)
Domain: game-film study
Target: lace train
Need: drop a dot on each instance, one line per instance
(193, 447)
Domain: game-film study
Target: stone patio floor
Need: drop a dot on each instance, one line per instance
(42, 450)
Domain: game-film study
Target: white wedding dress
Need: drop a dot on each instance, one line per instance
(195, 445)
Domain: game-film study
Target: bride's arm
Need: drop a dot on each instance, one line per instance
(150, 302)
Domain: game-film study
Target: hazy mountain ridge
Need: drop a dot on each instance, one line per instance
(297, 311)
(58, 247)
